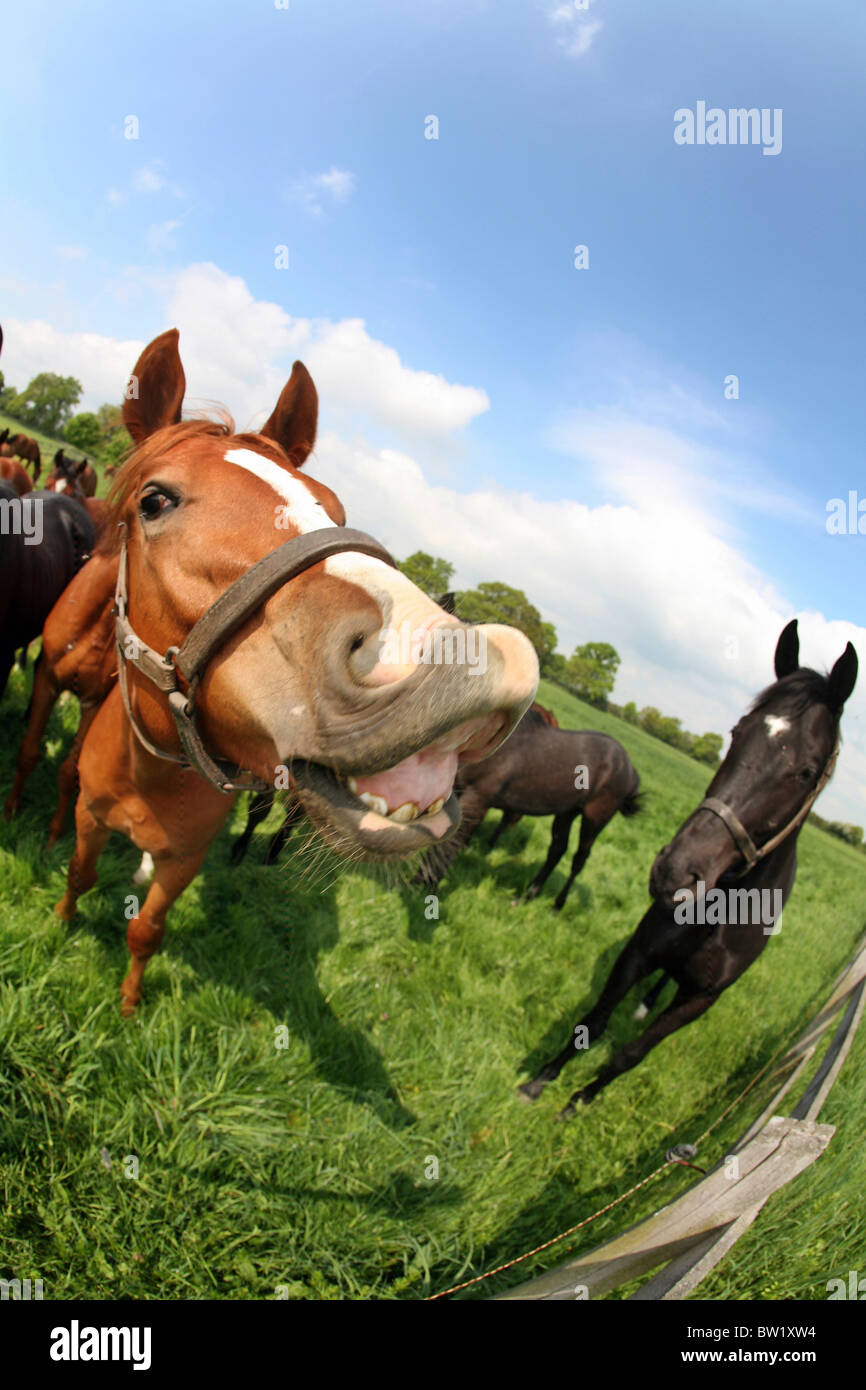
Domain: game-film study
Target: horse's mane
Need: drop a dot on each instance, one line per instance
(161, 443)
(794, 693)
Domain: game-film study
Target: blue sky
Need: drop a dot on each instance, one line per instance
(592, 457)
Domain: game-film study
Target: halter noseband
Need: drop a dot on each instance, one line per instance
(211, 631)
(740, 835)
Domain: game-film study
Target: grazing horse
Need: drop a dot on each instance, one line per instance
(249, 656)
(512, 818)
(79, 477)
(45, 540)
(540, 771)
(78, 654)
(24, 447)
(720, 885)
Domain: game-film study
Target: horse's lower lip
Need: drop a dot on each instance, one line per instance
(341, 816)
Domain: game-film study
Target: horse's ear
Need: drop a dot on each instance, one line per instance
(788, 651)
(843, 677)
(295, 416)
(81, 467)
(449, 603)
(159, 388)
(58, 458)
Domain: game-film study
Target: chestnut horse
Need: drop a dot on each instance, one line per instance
(782, 754)
(247, 659)
(24, 447)
(78, 654)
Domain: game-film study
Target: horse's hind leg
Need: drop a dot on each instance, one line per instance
(558, 845)
(90, 841)
(68, 776)
(685, 1008)
(595, 817)
(41, 704)
(145, 932)
(630, 966)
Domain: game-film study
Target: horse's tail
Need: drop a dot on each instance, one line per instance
(632, 804)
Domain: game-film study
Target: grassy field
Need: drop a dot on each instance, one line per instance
(48, 448)
(383, 1153)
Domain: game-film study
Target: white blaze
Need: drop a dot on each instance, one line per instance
(776, 725)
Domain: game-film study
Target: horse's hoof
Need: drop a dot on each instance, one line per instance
(566, 1113)
(64, 911)
(128, 1007)
(517, 902)
(529, 1091)
(10, 810)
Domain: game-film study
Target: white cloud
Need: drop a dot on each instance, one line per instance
(71, 253)
(147, 180)
(160, 235)
(575, 29)
(316, 192)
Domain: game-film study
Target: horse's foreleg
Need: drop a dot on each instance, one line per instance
(90, 841)
(509, 820)
(685, 1008)
(260, 807)
(68, 776)
(648, 1003)
(294, 815)
(558, 845)
(145, 932)
(630, 966)
(42, 702)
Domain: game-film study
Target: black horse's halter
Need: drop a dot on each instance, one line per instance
(740, 835)
(211, 631)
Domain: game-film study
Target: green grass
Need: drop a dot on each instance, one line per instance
(307, 1167)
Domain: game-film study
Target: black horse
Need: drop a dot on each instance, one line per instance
(541, 771)
(716, 896)
(44, 540)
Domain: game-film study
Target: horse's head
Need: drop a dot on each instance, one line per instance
(775, 765)
(316, 679)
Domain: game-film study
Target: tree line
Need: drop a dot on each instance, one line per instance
(47, 405)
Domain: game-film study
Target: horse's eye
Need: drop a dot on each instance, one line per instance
(153, 504)
(807, 774)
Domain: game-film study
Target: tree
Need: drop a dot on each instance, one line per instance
(492, 602)
(84, 433)
(708, 748)
(431, 574)
(118, 446)
(110, 419)
(47, 402)
(592, 671)
(629, 712)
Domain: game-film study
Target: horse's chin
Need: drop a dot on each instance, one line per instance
(349, 825)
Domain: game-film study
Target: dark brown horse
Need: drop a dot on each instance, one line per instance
(78, 654)
(45, 540)
(720, 885)
(249, 655)
(69, 475)
(542, 771)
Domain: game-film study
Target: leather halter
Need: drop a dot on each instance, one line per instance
(740, 835)
(210, 633)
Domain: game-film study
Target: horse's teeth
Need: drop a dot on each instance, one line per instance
(375, 803)
(353, 786)
(435, 806)
(408, 811)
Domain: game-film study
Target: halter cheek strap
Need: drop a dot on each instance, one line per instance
(740, 835)
(211, 632)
